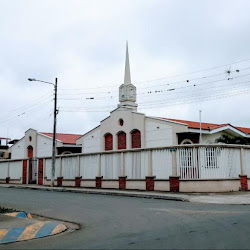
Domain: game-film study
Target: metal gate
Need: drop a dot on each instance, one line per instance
(32, 170)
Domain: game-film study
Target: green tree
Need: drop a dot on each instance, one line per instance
(233, 140)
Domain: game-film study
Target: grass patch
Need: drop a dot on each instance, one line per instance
(6, 210)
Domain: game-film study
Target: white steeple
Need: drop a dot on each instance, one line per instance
(127, 77)
(127, 91)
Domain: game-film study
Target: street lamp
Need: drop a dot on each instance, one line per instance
(54, 128)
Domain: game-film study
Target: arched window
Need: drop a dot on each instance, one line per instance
(30, 151)
(121, 140)
(66, 152)
(108, 140)
(136, 138)
(186, 141)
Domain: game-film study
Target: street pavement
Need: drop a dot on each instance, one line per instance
(112, 222)
(241, 198)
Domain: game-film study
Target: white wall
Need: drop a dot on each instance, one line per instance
(69, 167)
(18, 150)
(89, 166)
(111, 166)
(162, 163)
(158, 134)
(16, 168)
(44, 146)
(3, 170)
(210, 138)
(31, 133)
(91, 142)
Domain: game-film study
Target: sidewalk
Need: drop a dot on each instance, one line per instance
(20, 226)
(232, 198)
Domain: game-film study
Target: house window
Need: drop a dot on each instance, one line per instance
(136, 138)
(108, 140)
(121, 140)
(211, 157)
(1, 154)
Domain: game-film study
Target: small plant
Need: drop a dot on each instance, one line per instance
(7, 210)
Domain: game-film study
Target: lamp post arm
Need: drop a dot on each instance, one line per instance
(45, 82)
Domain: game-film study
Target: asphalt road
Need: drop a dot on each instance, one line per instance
(132, 223)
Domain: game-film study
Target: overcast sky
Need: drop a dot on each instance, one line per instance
(83, 44)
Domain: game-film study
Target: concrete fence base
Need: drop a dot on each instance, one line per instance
(150, 183)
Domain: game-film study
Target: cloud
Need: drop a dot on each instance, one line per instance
(83, 44)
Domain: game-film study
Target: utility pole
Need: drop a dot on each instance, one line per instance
(54, 137)
(200, 127)
(54, 128)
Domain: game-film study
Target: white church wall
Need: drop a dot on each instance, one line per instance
(31, 140)
(91, 142)
(132, 120)
(18, 150)
(158, 133)
(44, 146)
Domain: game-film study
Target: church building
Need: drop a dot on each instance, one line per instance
(126, 128)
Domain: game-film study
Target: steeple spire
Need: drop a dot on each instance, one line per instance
(127, 91)
(127, 77)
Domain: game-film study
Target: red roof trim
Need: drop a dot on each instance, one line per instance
(207, 126)
(65, 138)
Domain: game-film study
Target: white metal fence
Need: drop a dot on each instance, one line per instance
(188, 162)
(209, 163)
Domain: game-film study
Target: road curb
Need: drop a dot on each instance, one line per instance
(20, 215)
(120, 193)
(37, 229)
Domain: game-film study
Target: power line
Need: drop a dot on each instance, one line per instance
(176, 96)
(166, 84)
(168, 77)
(171, 104)
(19, 115)
(174, 89)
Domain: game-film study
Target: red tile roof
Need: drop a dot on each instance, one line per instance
(207, 126)
(244, 130)
(65, 138)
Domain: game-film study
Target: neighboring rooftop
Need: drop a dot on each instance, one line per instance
(65, 138)
(207, 126)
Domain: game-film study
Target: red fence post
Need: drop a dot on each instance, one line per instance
(78, 181)
(150, 183)
(59, 181)
(98, 182)
(40, 172)
(24, 172)
(122, 182)
(243, 182)
(174, 182)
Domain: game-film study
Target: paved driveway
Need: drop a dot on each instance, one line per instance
(123, 222)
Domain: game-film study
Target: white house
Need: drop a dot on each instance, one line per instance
(126, 128)
(36, 144)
